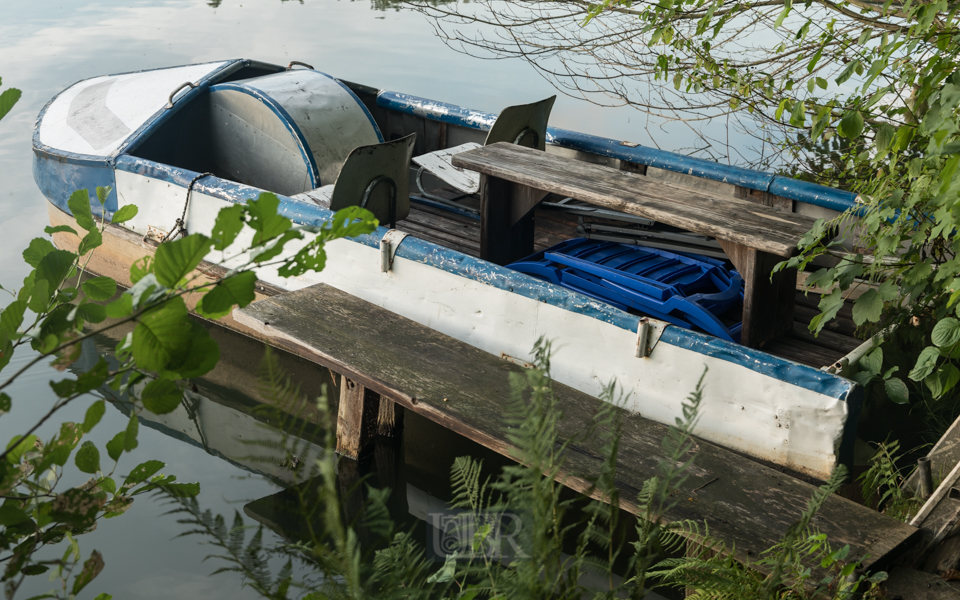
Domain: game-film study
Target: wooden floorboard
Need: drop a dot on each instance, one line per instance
(803, 352)
(745, 504)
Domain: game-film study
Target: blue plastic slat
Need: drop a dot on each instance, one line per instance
(681, 288)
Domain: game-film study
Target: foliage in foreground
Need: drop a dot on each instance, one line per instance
(563, 536)
(58, 307)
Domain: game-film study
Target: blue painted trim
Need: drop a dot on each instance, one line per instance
(811, 193)
(794, 189)
(451, 261)
(356, 98)
(438, 111)
(284, 116)
(58, 179)
(653, 157)
(758, 360)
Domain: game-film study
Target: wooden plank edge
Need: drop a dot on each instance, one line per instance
(437, 415)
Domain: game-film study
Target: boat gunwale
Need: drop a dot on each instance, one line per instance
(787, 187)
(453, 261)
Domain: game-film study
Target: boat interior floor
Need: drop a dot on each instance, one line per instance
(457, 227)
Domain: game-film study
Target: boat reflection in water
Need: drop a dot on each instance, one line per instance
(231, 413)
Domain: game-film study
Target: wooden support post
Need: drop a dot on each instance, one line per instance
(506, 219)
(389, 419)
(767, 305)
(357, 418)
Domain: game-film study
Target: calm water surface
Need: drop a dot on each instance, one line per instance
(46, 45)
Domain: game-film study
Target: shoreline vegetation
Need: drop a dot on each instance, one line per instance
(860, 95)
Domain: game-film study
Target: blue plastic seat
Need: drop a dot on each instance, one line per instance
(683, 289)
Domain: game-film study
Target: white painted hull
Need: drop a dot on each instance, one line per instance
(744, 409)
(756, 403)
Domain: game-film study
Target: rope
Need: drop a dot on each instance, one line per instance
(179, 226)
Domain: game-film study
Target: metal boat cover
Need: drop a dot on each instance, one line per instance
(289, 132)
(681, 288)
(96, 117)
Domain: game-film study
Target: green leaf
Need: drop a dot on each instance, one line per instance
(851, 125)
(236, 290)
(124, 214)
(926, 363)
(12, 318)
(161, 396)
(182, 490)
(162, 335)
(34, 570)
(93, 416)
(830, 305)
(62, 446)
(19, 446)
(60, 229)
(99, 288)
(91, 241)
(75, 507)
(946, 332)
(7, 99)
(130, 435)
(201, 358)
(228, 225)
(92, 313)
(174, 260)
(5, 403)
(55, 267)
(115, 446)
(79, 205)
(264, 218)
(141, 472)
(88, 458)
(121, 307)
(949, 375)
(91, 568)
(872, 362)
(787, 5)
(37, 249)
(885, 136)
(12, 515)
(103, 192)
(40, 296)
(140, 268)
(847, 72)
(867, 307)
(108, 485)
(446, 572)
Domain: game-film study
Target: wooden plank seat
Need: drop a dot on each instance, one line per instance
(747, 505)
(515, 179)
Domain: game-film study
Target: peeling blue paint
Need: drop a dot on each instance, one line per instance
(757, 360)
(59, 180)
(802, 191)
(509, 280)
(59, 173)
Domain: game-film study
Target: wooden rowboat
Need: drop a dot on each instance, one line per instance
(194, 139)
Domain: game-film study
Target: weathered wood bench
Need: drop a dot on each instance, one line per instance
(747, 505)
(755, 237)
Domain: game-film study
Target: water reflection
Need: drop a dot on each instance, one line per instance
(233, 415)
